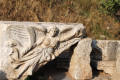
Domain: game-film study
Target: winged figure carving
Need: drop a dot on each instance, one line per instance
(32, 47)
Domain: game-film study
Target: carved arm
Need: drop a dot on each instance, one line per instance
(74, 33)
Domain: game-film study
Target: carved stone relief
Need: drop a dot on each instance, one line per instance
(25, 47)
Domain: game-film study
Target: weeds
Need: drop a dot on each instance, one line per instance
(111, 6)
(76, 11)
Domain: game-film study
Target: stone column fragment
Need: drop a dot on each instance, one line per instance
(80, 68)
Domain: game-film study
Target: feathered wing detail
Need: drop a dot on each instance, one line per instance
(40, 32)
(24, 35)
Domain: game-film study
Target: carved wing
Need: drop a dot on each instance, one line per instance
(24, 35)
(40, 31)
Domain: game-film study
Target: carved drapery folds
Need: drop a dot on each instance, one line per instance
(32, 46)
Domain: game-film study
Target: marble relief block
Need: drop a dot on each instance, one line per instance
(27, 46)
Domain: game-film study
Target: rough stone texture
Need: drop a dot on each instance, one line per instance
(80, 68)
(26, 46)
(107, 66)
(109, 56)
(107, 49)
(116, 73)
(103, 76)
(104, 55)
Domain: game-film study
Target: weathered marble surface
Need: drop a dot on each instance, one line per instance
(116, 73)
(26, 46)
(105, 56)
(80, 68)
(107, 48)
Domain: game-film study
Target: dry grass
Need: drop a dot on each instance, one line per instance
(76, 11)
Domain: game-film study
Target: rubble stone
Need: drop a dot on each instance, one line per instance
(80, 68)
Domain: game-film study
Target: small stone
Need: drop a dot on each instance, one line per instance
(108, 27)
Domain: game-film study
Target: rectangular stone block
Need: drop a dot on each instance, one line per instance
(105, 55)
(107, 48)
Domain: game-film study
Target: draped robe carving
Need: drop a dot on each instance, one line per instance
(32, 47)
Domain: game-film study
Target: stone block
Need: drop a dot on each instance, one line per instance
(27, 46)
(107, 48)
(106, 56)
(80, 68)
